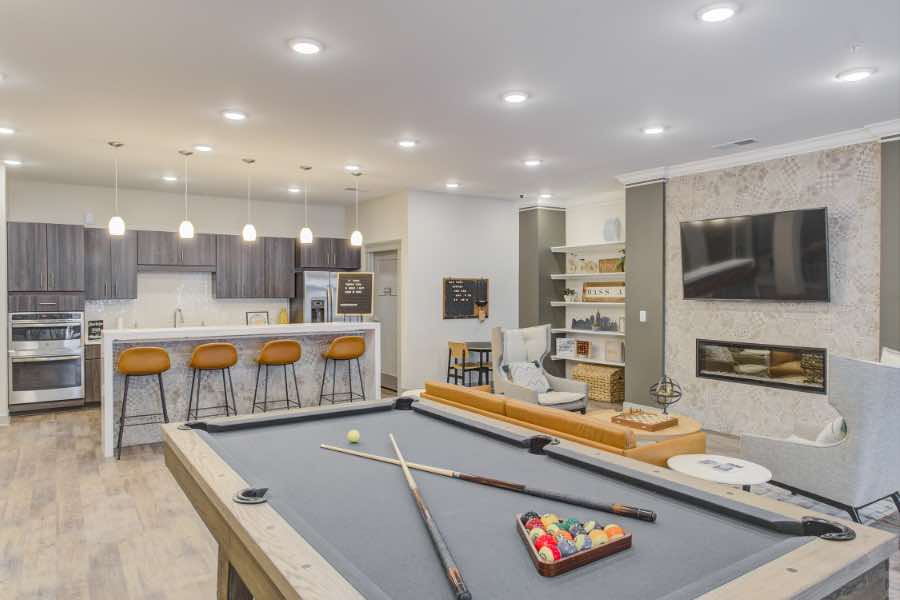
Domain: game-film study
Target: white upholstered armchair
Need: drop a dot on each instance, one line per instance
(532, 344)
(862, 466)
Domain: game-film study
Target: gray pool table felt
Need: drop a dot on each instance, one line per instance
(360, 515)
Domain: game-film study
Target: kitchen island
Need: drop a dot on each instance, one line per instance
(143, 392)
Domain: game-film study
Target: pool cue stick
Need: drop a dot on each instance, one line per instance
(437, 538)
(622, 510)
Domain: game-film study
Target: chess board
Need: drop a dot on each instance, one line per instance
(646, 421)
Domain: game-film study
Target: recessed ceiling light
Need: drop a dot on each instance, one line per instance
(716, 13)
(515, 97)
(294, 190)
(351, 168)
(234, 115)
(7, 131)
(407, 143)
(11, 162)
(855, 74)
(305, 46)
(169, 178)
(532, 162)
(452, 185)
(545, 196)
(203, 148)
(654, 130)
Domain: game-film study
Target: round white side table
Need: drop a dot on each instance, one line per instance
(721, 469)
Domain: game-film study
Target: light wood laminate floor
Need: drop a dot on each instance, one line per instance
(76, 526)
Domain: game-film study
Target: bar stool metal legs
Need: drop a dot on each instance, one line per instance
(196, 384)
(348, 396)
(141, 362)
(288, 402)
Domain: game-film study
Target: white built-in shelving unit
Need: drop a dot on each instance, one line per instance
(588, 332)
(610, 248)
(616, 276)
(592, 361)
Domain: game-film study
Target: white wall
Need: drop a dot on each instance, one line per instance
(4, 384)
(585, 217)
(142, 209)
(451, 235)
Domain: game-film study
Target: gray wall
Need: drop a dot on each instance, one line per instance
(539, 229)
(645, 268)
(890, 244)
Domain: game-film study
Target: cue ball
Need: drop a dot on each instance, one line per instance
(353, 436)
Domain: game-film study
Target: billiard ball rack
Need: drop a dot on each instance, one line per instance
(579, 559)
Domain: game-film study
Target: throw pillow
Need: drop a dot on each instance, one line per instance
(833, 432)
(718, 354)
(528, 375)
(891, 357)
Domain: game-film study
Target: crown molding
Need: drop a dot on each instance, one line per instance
(870, 133)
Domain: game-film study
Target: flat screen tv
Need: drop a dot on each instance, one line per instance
(774, 256)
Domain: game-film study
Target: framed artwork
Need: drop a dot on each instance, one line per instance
(565, 347)
(258, 317)
(603, 291)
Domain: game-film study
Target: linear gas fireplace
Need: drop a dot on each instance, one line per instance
(789, 367)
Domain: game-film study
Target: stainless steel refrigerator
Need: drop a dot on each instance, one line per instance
(320, 297)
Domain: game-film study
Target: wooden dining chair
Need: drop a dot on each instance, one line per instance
(457, 367)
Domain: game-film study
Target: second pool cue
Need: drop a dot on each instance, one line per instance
(623, 510)
(437, 538)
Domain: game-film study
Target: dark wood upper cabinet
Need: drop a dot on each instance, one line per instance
(110, 269)
(123, 266)
(26, 246)
(199, 251)
(346, 257)
(328, 254)
(279, 261)
(65, 258)
(158, 248)
(97, 270)
(227, 278)
(45, 257)
(253, 269)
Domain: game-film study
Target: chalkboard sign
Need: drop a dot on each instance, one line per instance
(354, 293)
(465, 298)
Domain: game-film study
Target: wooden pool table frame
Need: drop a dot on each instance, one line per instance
(261, 556)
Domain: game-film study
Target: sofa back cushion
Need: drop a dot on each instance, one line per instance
(574, 425)
(474, 398)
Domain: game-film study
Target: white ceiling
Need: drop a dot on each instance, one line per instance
(156, 75)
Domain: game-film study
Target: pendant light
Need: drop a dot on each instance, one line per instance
(116, 223)
(306, 234)
(186, 229)
(249, 231)
(356, 238)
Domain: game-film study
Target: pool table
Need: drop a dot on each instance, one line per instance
(335, 526)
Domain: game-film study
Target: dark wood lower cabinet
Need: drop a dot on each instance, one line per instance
(46, 302)
(93, 373)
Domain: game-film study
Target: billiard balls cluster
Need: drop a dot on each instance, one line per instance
(556, 538)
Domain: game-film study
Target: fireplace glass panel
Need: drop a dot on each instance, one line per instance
(775, 366)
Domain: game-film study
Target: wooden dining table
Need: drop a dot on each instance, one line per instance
(483, 350)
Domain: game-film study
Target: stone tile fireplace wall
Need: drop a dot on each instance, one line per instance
(845, 180)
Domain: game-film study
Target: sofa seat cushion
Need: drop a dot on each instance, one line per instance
(554, 398)
(476, 398)
(574, 425)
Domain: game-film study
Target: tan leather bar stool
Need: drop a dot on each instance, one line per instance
(216, 356)
(142, 361)
(346, 348)
(273, 354)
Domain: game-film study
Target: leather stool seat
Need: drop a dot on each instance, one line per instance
(141, 361)
(277, 353)
(214, 356)
(345, 348)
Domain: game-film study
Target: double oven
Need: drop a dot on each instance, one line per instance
(46, 357)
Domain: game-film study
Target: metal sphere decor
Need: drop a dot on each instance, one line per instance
(665, 392)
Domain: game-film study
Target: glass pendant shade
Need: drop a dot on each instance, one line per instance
(186, 230)
(249, 233)
(356, 238)
(116, 226)
(306, 236)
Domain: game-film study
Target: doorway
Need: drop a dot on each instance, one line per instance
(386, 311)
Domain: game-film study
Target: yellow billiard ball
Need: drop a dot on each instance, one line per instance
(353, 436)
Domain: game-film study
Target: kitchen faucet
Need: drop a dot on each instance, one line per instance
(176, 317)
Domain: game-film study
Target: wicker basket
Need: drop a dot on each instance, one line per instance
(605, 384)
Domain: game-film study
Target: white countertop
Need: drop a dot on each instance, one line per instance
(211, 331)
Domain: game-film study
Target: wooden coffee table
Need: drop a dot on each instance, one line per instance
(686, 426)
